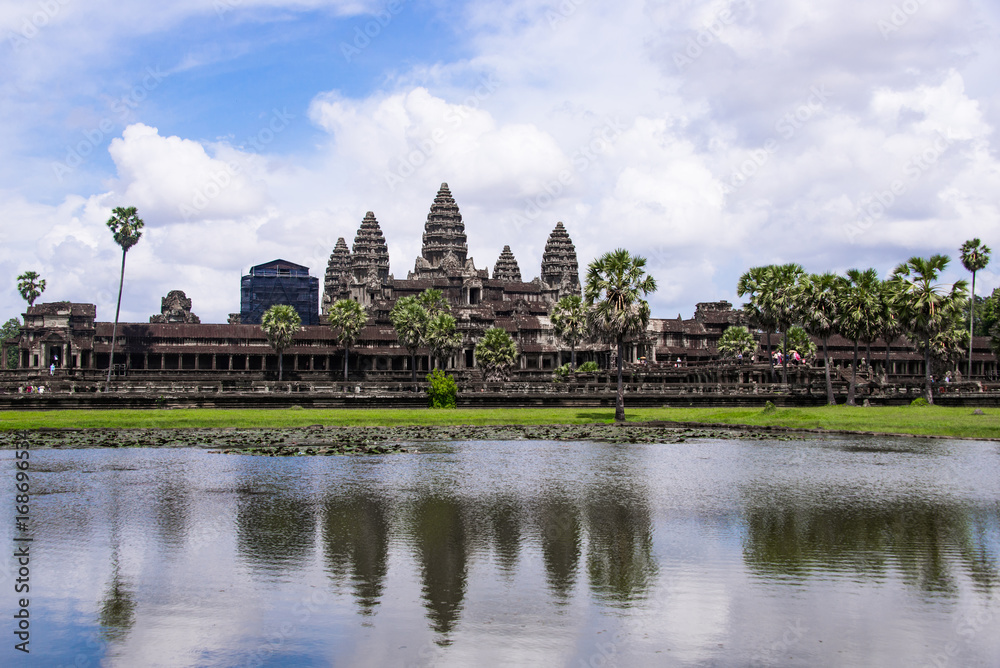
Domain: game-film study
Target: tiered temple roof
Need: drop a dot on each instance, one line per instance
(370, 256)
(506, 268)
(559, 266)
(444, 231)
(338, 274)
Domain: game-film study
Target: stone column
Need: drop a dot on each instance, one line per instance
(214, 361)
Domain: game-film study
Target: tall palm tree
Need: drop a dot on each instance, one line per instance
(760, 310)
(924, 305)
(443, 337)
(30, 286)
(435, 303)
(280, 323)
(859, 314)
(569, 320)
(890, 324)
(126, 226)
(819, 308)
(615, 285)
(784, 285)
(349, 317)
(975, 256)
(409, 319)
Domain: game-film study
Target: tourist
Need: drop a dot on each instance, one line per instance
(52, 369)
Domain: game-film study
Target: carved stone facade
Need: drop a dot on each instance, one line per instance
(506, 268)
(560, 269)
(337, 283)
(175, 308)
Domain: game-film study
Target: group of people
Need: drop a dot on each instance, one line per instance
(793, 357)
(31, 389)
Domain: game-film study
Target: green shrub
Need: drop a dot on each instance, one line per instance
(561, 373)
(919, 402)
(443, 391)
(588, 367)
(769, 408)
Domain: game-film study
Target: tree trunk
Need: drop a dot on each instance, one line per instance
(928, 389)
(114, 330)
(770, 359)
(868, 358)
(572, 357)
(346, 354)
(888, 366)
(620, 399)
(784, 358)
(972, 320)
(413, 368)
(854, 377)
(279, 365)
(829, 383)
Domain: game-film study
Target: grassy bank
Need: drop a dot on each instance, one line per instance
(938, 421)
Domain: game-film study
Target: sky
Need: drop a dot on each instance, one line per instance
(708, 137)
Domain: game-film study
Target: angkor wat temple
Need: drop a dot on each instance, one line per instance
(175, 343)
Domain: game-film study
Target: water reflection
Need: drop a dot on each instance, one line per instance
(441, 543)
(276, 531)
(356, 545)
(522, 554)
(561, 531)
(924, 543)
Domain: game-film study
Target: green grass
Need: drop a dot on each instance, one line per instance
(931, 420)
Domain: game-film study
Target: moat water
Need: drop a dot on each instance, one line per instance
(825, 552)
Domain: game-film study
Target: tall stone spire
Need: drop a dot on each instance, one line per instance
(506, 268)
(559, 266)
(444, 231)
(338, 274)
(370, 256)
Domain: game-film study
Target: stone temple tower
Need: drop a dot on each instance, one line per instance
(506, 268)
(559, 266)
(336, 284)
(444, 234)
(369, 261)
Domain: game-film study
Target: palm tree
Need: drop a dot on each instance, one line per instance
(890, 325)
(442, 337)
(126, 226)
(435, 304)
(349, 317)
(859, 315)
(925, 307)
(615, 285)
(736, 343)
(760, 310)
(409, 319)
(784, 285)
(30, 286)
(819, 309)
(569, 320)
(280, 323)
(975, 256)
(496, 353)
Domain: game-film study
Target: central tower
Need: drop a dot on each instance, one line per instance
(444, 231)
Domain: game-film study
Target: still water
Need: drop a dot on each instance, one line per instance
(826, 552)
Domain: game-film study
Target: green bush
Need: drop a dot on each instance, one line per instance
(588, 367)
(919, 402)
(769, 408)
(561, 373)
(443, 390)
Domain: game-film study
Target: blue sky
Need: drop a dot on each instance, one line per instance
(707, 136)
